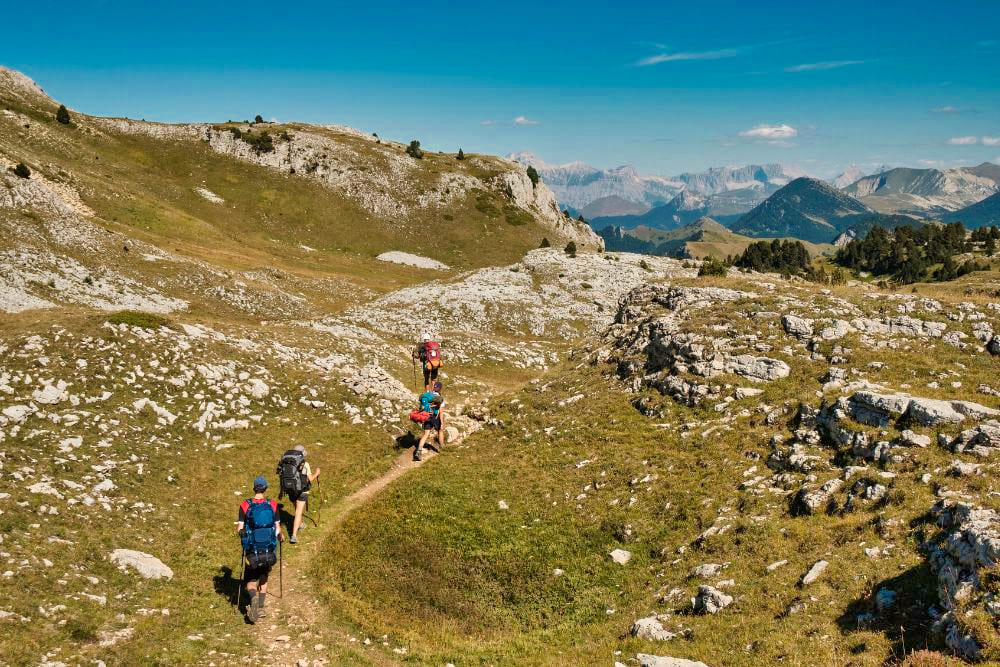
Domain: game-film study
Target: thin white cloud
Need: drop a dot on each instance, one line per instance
(523, 120)
(487, 122)
(770, 132)
(689, 55)
(952, 109)
(963, 141)
(829, 64)
(991, 141)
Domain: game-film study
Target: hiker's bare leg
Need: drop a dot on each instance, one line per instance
(423, 439)
(300, 506)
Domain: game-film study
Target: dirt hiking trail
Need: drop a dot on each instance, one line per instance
(296, 629)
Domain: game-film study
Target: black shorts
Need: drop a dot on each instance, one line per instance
(258, 574)
(433, 423)
(302, 495)
(430, 374)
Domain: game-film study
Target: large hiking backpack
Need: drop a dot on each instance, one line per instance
(290, 472)
(259, 539)
(432, 355)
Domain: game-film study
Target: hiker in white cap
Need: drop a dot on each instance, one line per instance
(428, 352)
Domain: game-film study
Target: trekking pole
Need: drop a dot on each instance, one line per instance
(281, 579)
(414, 375)
(319, 510)
(243, 562)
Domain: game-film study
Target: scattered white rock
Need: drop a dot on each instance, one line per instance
(814, 572)
(148, 566)
(621, 556)
(397, 257)
(710, 600)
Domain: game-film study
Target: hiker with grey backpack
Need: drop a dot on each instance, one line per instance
(296, 480)
(260, 534)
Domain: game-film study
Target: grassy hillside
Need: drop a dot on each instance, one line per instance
(499, 553)
(145, 182)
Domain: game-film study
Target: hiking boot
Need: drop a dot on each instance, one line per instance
(416, 455)
(293, 540)
(253, 610)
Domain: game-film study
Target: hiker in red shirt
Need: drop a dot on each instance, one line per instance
(260, 532)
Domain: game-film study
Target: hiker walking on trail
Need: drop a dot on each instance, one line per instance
(296, 480)
(431, 403)
(260, 533)
(428, 352)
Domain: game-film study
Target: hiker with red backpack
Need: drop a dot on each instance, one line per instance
(296, 480)
(260, 533)
(431, 417)
(428, 352)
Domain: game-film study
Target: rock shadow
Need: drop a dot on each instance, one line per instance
(906, 623)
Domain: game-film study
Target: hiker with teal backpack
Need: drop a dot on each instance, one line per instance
(431, 417)
(260, 534)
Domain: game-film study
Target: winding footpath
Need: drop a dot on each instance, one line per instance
(297, 629)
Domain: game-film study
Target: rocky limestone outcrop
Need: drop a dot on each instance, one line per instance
(880, 410)
(969, 547)
(839, 422)
(983, 440)
(17, 84)
(650, 349)
(540, 200)
(901, 325)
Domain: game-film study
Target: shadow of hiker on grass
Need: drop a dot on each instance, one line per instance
(228, 586)
(410, 441)
(898, 608)
(406, 441)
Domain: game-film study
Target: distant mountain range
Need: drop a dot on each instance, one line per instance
(578, 184)
(926, 192)
(767, 201)
(623, 197)
(622, 191)
(685, 208)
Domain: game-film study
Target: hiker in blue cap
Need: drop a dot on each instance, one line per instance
(260, 532)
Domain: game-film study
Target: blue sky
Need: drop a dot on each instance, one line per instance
(666, 87)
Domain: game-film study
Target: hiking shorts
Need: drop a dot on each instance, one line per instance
(430, 374)
(296, 497)
(258, 574)
(433, 423)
